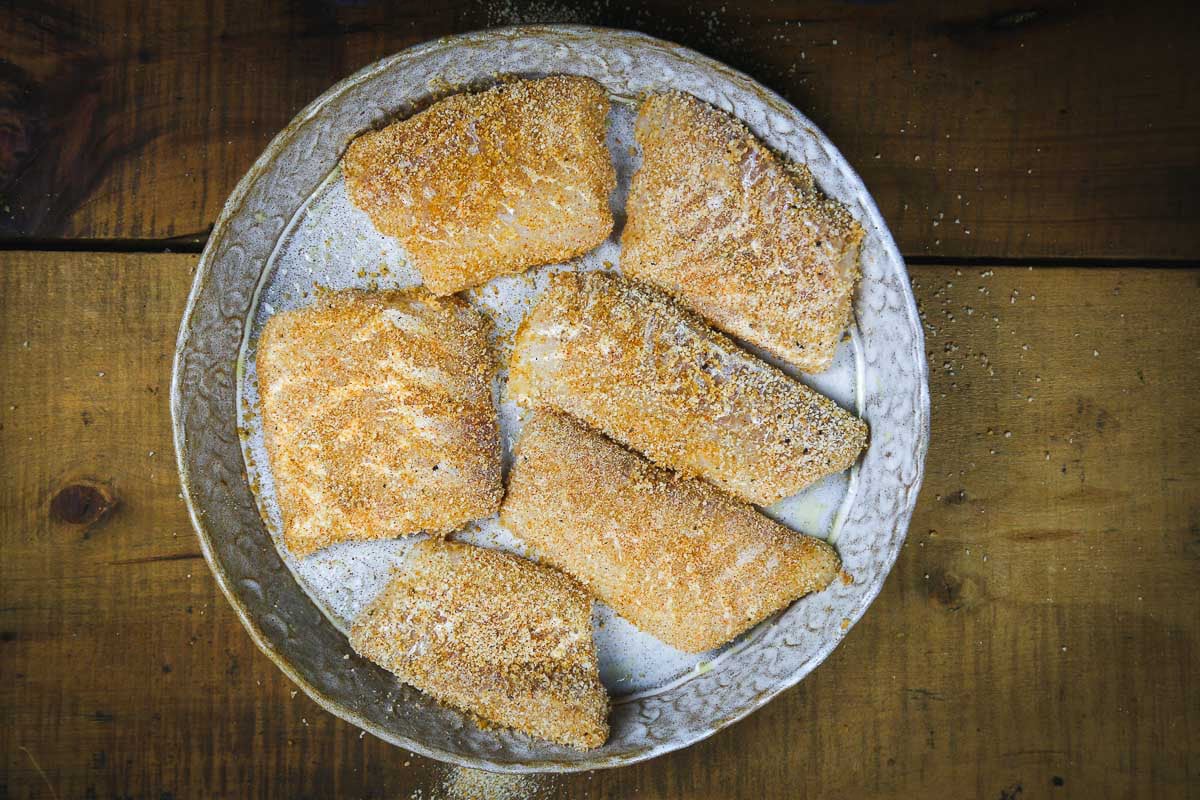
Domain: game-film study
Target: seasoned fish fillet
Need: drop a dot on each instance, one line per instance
(493, 635)
(741, 237)
(480, 185)
(379, 417)
(630, 362)
(676, 557)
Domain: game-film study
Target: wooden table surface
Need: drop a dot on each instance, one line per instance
(1040, 168)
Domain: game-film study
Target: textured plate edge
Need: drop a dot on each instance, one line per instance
(236, 201)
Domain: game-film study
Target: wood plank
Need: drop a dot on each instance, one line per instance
(1041, 626)
(1066, 130)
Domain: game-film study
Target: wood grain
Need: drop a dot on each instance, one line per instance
(1037, 638)
(1061, 130)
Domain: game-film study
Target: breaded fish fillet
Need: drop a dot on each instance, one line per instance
(741, 237)
(493, 635)
(480, 185)
(379, 418)
(676, 557)
(630, 362)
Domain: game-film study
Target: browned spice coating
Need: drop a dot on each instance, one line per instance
(630, 362)
(675, 556)
(494, 635)
(379, 417)
(480, 185)
(741, 237)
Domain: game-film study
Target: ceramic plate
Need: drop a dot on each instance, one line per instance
(289, 228)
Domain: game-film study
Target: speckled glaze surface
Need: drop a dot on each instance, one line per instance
(280, 616)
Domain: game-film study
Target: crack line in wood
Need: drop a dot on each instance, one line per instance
(191, 244)
(153, 559)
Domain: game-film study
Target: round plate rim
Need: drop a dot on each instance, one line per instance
(234, 204)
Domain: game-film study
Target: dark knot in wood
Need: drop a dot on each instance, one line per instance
(83, 503)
